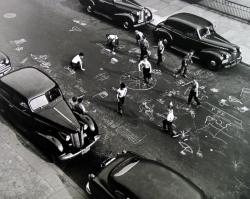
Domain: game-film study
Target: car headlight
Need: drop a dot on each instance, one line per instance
(85, 126)
(226, 56)
(7, 61)
(64, 136)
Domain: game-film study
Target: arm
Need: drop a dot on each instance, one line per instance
(139, 66)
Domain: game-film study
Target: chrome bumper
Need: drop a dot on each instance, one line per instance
(233, 63)
(81, 152)
(143, 23)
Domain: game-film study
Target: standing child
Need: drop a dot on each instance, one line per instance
(120, 96)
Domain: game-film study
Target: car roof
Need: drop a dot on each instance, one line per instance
(29, 82)
(190, 20)
(149, 179)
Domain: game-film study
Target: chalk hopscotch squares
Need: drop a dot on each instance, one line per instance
(219, 124)
(147, 108)
(126, 133)
(102, 76)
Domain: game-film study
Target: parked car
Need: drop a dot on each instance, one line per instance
(128, 13)
(187, 32)
(35, 104)
(130, 176)
(5, 65)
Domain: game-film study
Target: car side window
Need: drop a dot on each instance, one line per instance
(191, 32)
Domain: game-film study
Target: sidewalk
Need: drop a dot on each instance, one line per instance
(25, 175)
(234, 31)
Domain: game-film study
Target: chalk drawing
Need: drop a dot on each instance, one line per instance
(236, 164)
(42, 59)
(134, 81)
(223, 115)
(245, 94)
(161, 101)
(242, 109)
(70, 70)
(9, 15)
(183, 134)
(234, 99)
(19, 48)
(113, 60)
(185, 148)
(81, 89)
(130, 136)
(135, 51)
(170, 93)
(18, 42)
(214, 90)
(157, 72)
(121, 46)
(182, 107)
(102, 94)
(80, 22)
(147, 108)
(180, 82)
(75, 29)
(102, 76)
(24, 60)
(132, 61)
(223, 102)
(202, 74)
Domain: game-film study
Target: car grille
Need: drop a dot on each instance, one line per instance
(141, 16)
(77, 139)
(4, 69)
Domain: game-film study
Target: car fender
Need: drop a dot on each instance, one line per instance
(161, 32)
(54, 141)
(91, 2)
(211, 53)
(126, 15)
(89, 121)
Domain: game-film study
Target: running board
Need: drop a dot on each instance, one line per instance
(183, 51)
(106, 16)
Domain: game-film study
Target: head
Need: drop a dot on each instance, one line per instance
(191, 53)
(145, 57)
(170, 105)
(81, 54)
(107, 35)
(79, 100)
(74, 99)
(122, 85)
(136, 31)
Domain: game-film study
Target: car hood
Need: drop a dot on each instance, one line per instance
(220, 41)
(130, 5)
(61, 114)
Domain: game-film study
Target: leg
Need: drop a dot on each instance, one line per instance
(170, 129)
(164, 124)
(197, 100)
(190, 97)
(184, 71)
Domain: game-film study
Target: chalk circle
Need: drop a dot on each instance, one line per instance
(134, 81)
(9, 15)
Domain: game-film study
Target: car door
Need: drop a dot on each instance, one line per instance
(106, 7)
(17, 109)
(193, 40)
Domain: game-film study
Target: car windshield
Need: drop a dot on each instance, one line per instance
(204, 32)
(43, 100)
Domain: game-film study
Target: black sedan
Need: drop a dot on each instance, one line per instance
(128, 13)
(35, 104)
(5, 65)
(187, 32)
(130, 176)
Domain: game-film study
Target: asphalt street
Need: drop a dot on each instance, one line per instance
(212, 149)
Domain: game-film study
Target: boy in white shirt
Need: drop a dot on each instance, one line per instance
(77, 62)
(120, 95)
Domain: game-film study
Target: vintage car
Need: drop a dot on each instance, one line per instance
(34, 103)
(130, 176)
(5, 65)
(187, 32)
(128, 13)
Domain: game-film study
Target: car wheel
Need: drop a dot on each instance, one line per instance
(213, 65)
(89, 9)
(126, 24)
